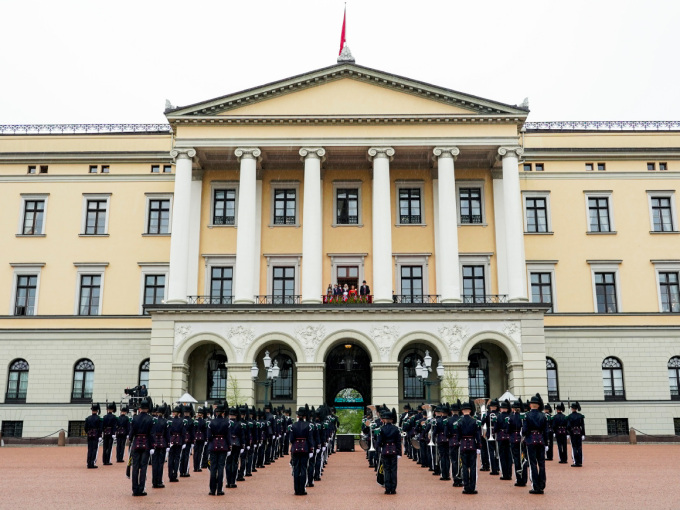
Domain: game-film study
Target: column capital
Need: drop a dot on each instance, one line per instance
(184, 153)
(312, 152)
(446, 152)
(510, 151)
(247, 153)
(380, 152)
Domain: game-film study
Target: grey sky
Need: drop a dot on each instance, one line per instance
(69, 61)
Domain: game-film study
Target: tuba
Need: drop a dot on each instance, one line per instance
(430, 420)
(371, 425)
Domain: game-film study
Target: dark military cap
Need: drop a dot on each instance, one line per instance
(144, 404)
(177, 409)
(547, 408)
(560, 406)
(576, 406)
(466, 405)
(505, 404)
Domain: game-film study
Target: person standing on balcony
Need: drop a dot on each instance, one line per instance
(364, 290)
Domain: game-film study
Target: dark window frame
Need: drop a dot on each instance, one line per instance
(599, 205)
(282, 387)
(12, 428)
(540, 167)
(96, 210)
(408, 274)
(76, 428)
(89, 304)
(474, 373)
(144, 367)
(345, 205)
(617, 427)
(551, 366)
(659, 223)
(158, 221)
(224, 202)
(218, 275)
(541, 285)
(669, 291)
(412, 385)
(285, 206)
(533, 214)
(217, 379)
(34, 217)
(80, 394)
(471, 277)
(410, 205)
(610, 366)
(24, 299)
(152, 283)
(284, 293)
(21, 368)
(674, 377)
(607, 291)
(469, 202)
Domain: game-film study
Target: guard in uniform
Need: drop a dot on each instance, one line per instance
(243, 458)
(176, 435)
(468, 431)
(188, 441)
(315, 449)
(159, 444)
(237, 440)
(548, 415)
(559, 424)
(515, 424)
(200, 431)
(389, 444)
(503, 438)
(442, 440)
(301, 450)
(109, 424)
(140, 436)
(122, 432)
(219, 446)
(535, 432)
(93, 429)
(490, 420)
(454, 445)
(576, 428)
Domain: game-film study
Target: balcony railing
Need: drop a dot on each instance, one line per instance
(349, 300)
(415, 299)
(470, 218)
(223, 220)
(485, 299)
(210, 300)
(277, 300)
(406, 219)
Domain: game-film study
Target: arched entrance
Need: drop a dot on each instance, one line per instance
(412, 390)
(348, 366)
(207, 374)
(487, 371)
(282, 390)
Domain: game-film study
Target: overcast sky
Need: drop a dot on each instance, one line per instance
(80, 62)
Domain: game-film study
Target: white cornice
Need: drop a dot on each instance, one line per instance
(86, 157)
(605, 153)
(260, 120)
(461, 142)
(88, 178)
(607, 175)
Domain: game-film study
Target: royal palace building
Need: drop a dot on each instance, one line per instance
(509, 255)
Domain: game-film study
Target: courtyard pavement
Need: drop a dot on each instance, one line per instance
(613, 477)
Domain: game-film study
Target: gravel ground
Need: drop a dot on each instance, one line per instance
(613, 476)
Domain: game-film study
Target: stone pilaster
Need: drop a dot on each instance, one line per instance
(385, 384)
(310, 378)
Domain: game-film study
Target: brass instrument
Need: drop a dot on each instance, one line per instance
(370, 428)
(430, 420)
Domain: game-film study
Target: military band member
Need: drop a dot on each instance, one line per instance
(316, 441)
(490, 420)
(301, 450)
(503, 438)
(270, 428)
(389, 444)
(515, 424)
(243, 457)
(187, 441)
(159, 444)
(559, 424)
(176, 435)
(535, 432)
(454, 445)
(219, 446)
(468, 431)
(200, 431)
(109, 423)
(140, 436)
(122, 433)
(93, 430)
(237, 440)
(576, 428)
(548, 414)
(441, 437)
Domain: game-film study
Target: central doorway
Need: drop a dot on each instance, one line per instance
(348, 366)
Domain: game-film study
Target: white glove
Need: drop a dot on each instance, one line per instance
(399, 456)
(479, 451)
(546, 448)
(167, 450)
(311, 455)
(247, 447)
(240, 451)
(152, 451)
(583, 438)
(228, 453)
(555, 436)
(323, 449)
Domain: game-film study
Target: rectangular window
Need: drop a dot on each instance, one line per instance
(32, 169)
(601, 167)
(617, 427)
(221, 279)
(24, 303)
(34, 214)
(155, 169)
(105, 169)
(76, 428)
(663, 166)
(676, 426)
(539, 167)
(154, 289)
(541, 288)
(670, 292)
(598, 213)
(167, 169)
(93, 169)
(224, 207)
(159, 216)
(605, 292)
(95, 222)
(283, 285)
(409, 206)
(651, 166)
(474, 284)
(589, 167)
(470, 205)
(347, 203)
(662, 214)
(90, 294)
(537, 214)
(284, 206)
(43, 169)
(411, 284)
(527, 167)
(12, 428)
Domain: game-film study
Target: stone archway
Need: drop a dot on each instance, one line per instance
(348, 365)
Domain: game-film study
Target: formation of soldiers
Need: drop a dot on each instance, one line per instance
(236, 441)
(512, 440)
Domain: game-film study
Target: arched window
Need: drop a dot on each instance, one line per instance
(674, 377)
(414, 389)
(282, 388)
(17, 381)
(217, 376)
(144, 373)
(478, 374)
(83, 381)
(551, 372)
(612, 379)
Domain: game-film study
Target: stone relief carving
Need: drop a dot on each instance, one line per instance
(181, 333)
(453, 336)
(240, 338)
(310, 337)
(385, 337)
(513, 331)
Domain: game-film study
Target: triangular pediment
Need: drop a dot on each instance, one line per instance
(345, 89)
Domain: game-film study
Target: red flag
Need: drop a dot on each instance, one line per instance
(342, 35)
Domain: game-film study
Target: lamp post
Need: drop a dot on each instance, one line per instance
(423, 372)
(272, 374)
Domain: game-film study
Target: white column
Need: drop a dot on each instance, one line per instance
(449, 279)
(181, 221)
(312, 285)
(246, 257)
(499, 223)
(382, 224)
(514, 231)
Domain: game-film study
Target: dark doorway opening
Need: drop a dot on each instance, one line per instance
(348, 366)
